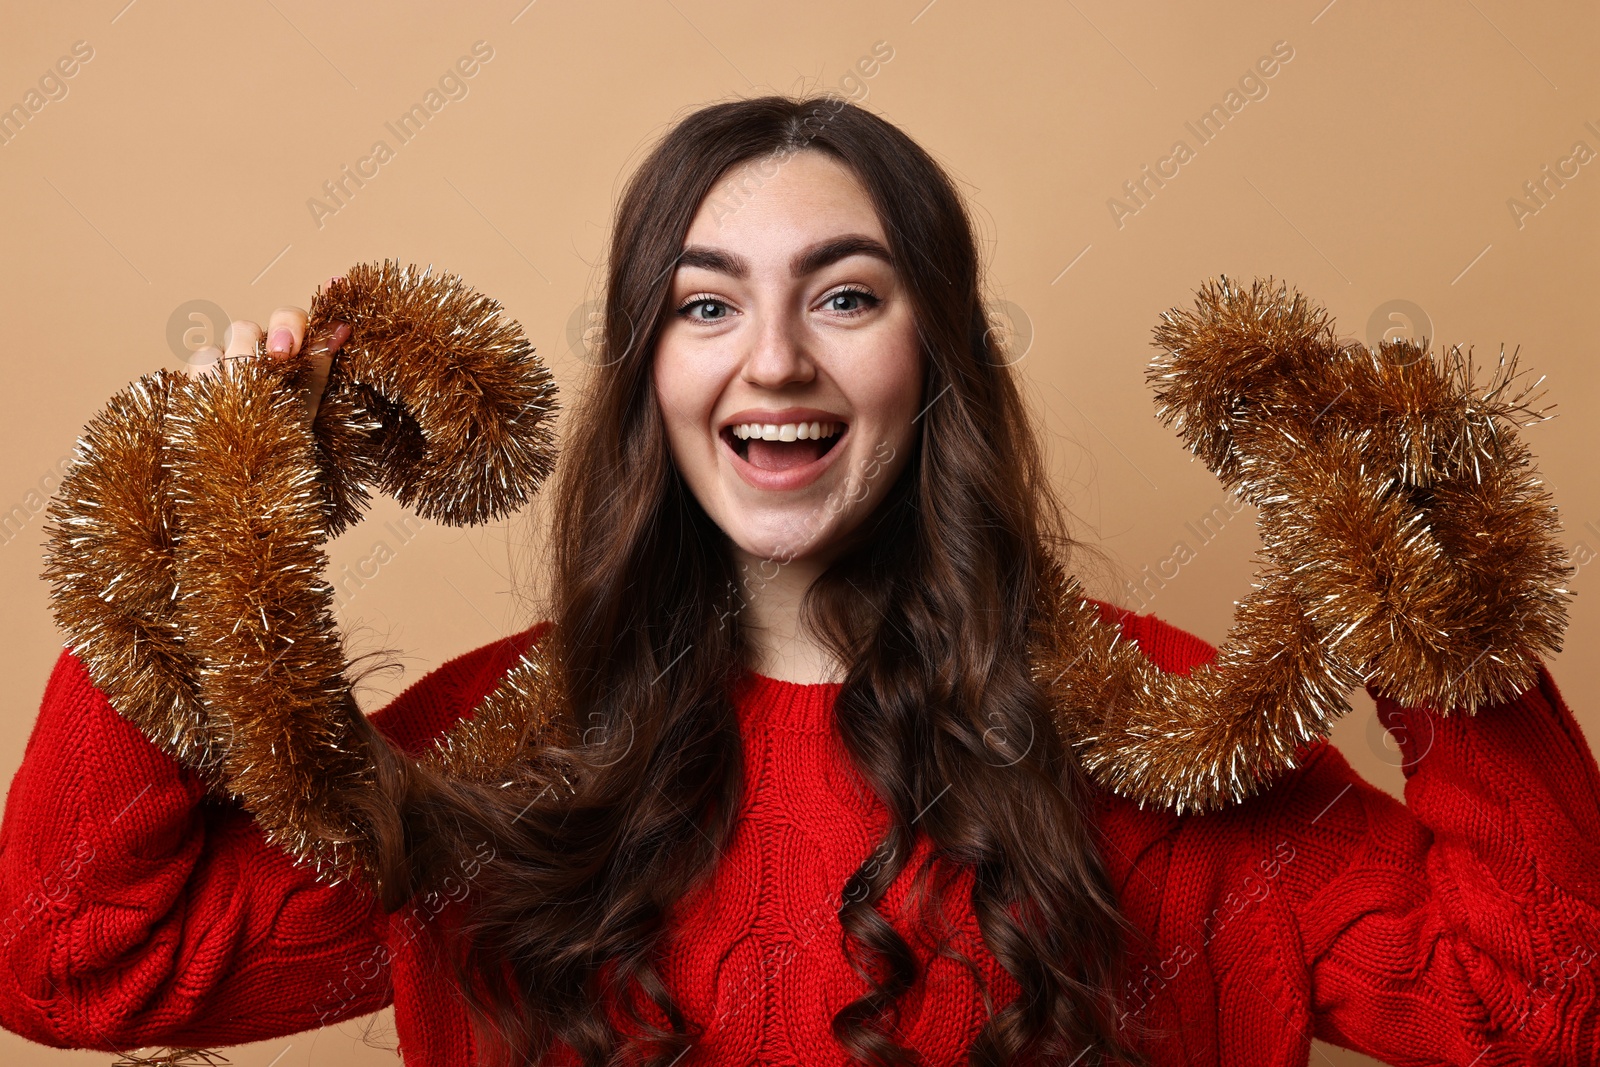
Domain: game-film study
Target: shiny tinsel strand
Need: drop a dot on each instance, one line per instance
(463, 406)
(524, 717)
(110, 561)
(173, 1057)
(186, 542)
(1408, 545)
(250, 566)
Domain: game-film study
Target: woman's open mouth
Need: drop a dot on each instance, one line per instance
(777, 447)
(782, 455)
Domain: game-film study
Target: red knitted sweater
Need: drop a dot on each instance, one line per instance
(1460, 927)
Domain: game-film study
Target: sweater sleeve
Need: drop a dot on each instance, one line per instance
(135, 910)
(1460, 927)
(1463, 926)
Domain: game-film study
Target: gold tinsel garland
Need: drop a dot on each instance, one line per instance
(1407, 543)
(1407, 540)
(185, 543)
(174, 1057)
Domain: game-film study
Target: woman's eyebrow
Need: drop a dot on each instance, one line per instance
(805, 261)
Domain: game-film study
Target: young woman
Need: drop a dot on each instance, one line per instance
(799, 522)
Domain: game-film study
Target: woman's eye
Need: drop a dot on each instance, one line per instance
(710, 303)
(855, 301)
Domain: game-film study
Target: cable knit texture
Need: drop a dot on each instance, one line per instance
(1461, 927)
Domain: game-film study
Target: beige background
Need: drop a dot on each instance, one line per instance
(178, 166)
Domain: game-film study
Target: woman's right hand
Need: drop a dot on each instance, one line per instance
(285, 332)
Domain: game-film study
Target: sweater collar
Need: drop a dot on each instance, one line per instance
(792, 705)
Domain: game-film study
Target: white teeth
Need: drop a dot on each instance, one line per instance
(788, 431)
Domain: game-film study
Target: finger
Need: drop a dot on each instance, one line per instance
(244, 337)
(203, 361)
(286, 329)
(327, 336)
(320, 362)
(329, 339)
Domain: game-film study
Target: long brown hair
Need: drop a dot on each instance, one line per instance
(567, 914)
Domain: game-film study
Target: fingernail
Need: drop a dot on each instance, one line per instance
(330, 339)
(280, 342)
(336, 336)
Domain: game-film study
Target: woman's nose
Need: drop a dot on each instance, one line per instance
(778, 354)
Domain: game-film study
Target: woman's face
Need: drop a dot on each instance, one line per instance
(789, 376)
